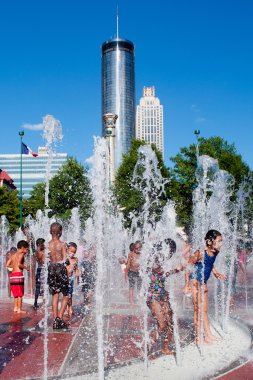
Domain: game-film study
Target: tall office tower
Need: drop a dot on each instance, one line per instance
(118, 91)
(149, 119)
(34, 168)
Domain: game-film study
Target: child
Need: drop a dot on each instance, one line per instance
(40, 274)
(122, 262)
(9, 270)
(58, 281)
(16, 263)
(30, 258)
(158, 298)
(72, 269)
(213, 240)
(132, 271)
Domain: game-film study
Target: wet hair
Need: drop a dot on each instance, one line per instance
(22, 244)
(131, 247)
(40, 241)
(138, 242)
(24, 226)
(212, 235)
(172, 245)
(13, 249)
(55, 228)
(72, 244)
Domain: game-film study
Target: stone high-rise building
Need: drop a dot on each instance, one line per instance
(149, 119)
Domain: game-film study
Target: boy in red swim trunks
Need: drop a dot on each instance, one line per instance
(16, 263)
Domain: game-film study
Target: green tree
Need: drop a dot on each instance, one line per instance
(69, 188)
(183, 180)
(36, 201)
(9, 206)
(128, 197)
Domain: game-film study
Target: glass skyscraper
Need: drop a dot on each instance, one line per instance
(34, 168)
(118, 91)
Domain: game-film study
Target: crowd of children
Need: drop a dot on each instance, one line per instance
(58, 268)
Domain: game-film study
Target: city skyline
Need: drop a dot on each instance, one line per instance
(198, 56)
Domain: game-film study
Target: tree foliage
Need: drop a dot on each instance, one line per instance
(9, 206)
(128, 197)
(69, 188)
(183, 180)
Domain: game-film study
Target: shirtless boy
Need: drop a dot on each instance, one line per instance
(58, 281)
(132, 271)
(16, 263)
(9, 270)
(72, 269)
(40, 274)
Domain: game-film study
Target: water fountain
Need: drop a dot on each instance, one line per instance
(213, 209)
(52, 133)
(105, 231)
(4, 247)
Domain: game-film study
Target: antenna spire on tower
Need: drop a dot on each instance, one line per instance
(117, 21)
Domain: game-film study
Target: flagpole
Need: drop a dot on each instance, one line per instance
(21, 134)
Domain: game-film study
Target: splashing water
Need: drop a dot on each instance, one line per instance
(99, 183)
(213, 209)
(156, 220)
(52, 133)
(4, 247)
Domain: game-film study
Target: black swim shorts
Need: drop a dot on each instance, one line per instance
(58, 281)
(134, 279)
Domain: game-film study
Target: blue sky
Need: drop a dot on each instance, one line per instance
(197, 53)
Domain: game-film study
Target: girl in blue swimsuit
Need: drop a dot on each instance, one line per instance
(199, 275)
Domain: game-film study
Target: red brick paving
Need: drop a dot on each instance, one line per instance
(22, 344)
(123, 348)
(244, 372)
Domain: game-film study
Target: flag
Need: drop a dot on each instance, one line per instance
(26, 150)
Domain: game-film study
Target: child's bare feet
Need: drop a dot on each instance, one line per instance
(154, 335)
(205, 342)
(208, 341)
(214, 338)
(21, 312)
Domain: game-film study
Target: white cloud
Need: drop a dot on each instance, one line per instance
(33, 127)
(200, 120)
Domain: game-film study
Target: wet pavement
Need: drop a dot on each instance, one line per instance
(75, 352)
(22, 343)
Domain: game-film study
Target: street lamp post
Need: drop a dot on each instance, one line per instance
(21, 134)
(197, 133)
(109, 122)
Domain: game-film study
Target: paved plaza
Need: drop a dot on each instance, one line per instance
(73, 353)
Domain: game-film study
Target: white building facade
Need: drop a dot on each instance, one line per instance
(33, 168)
(149, 119)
